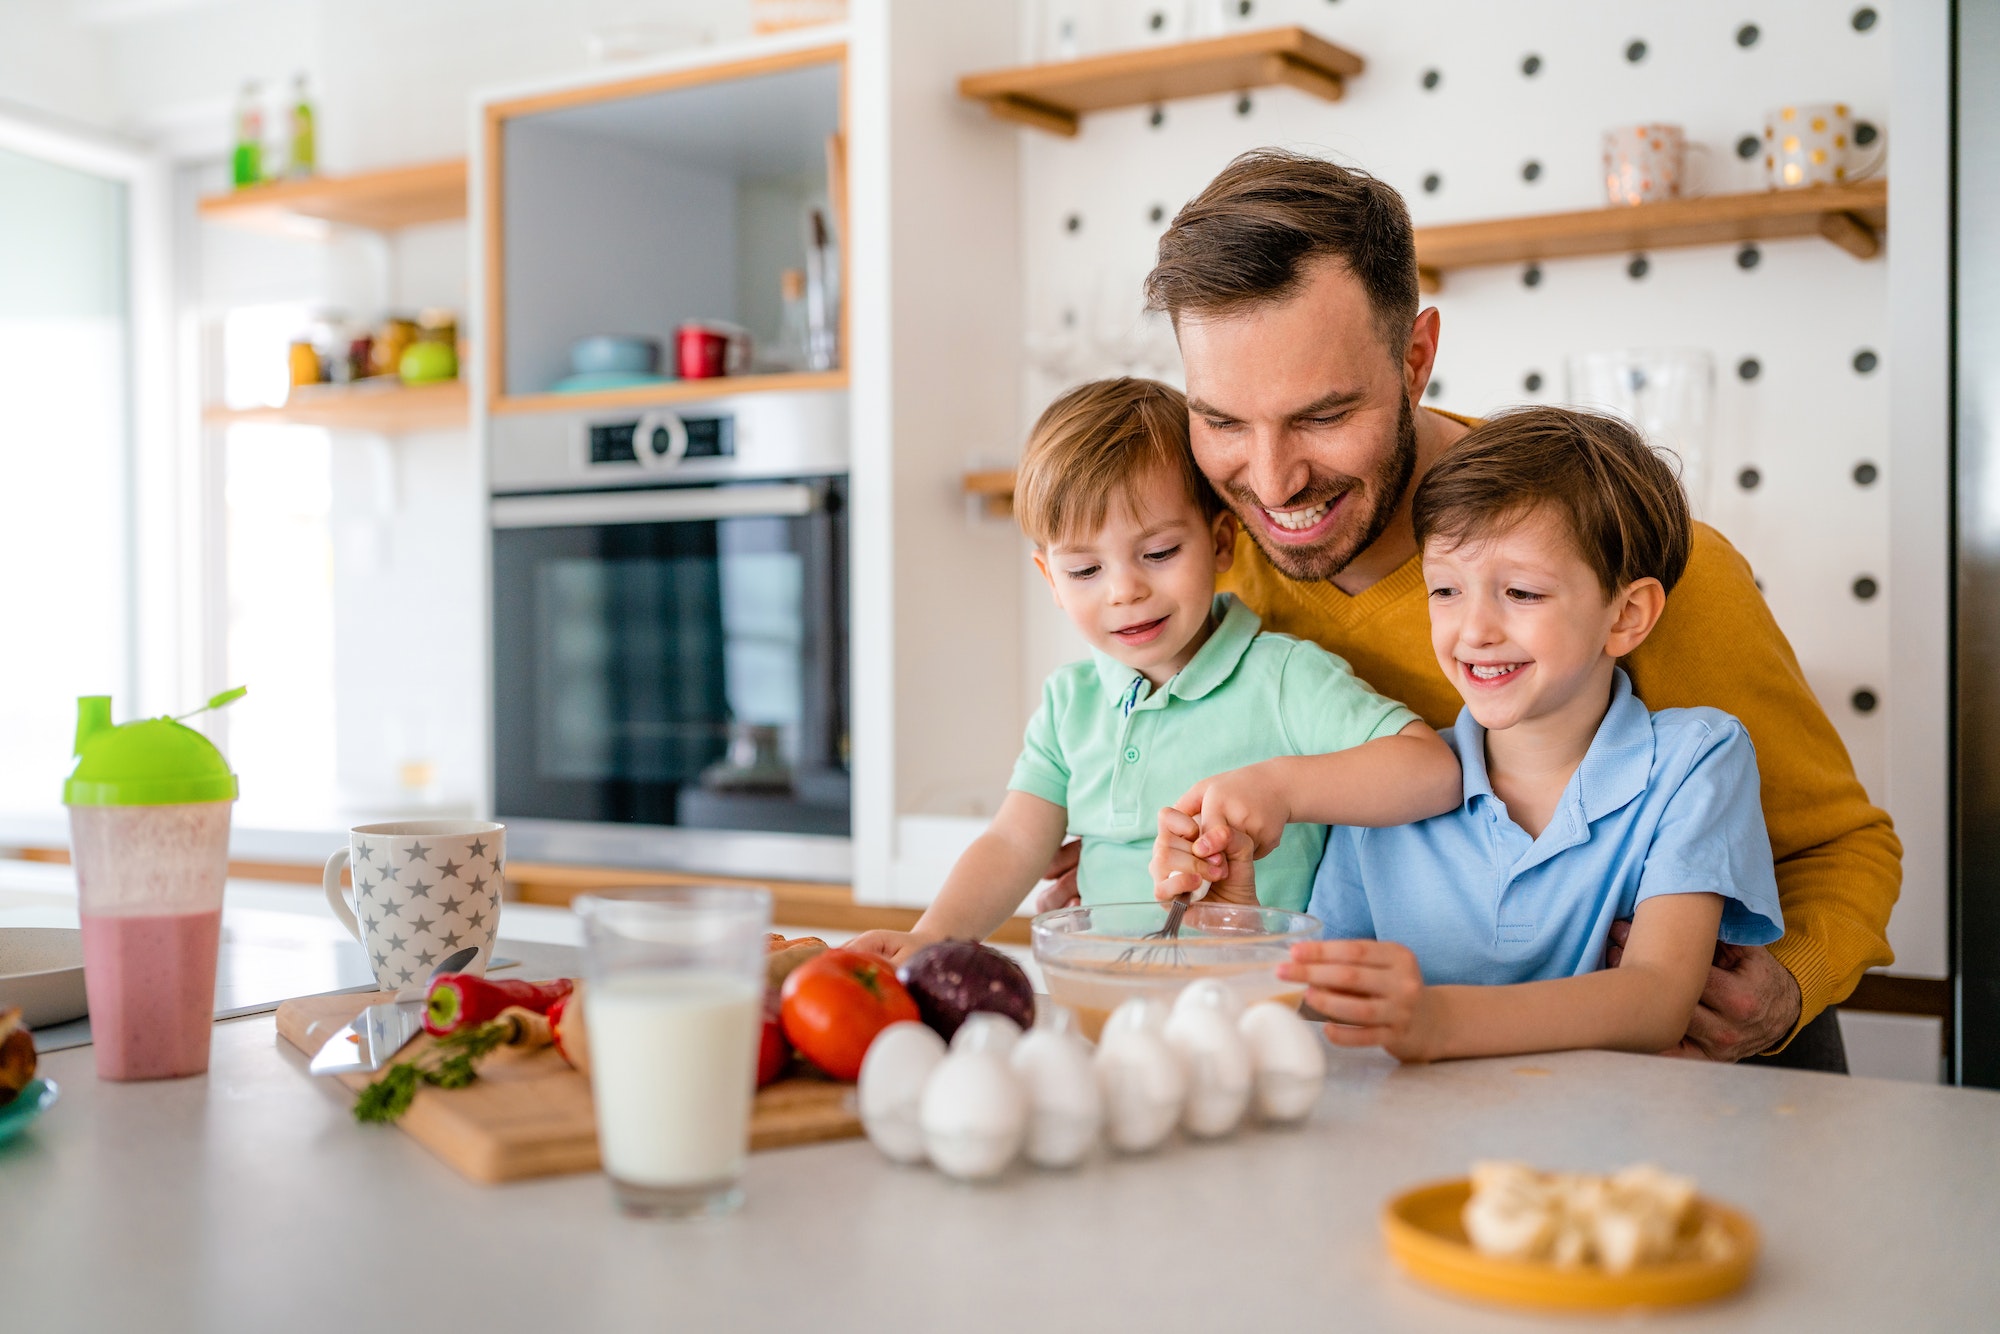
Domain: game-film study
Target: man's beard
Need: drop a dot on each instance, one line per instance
(1352, 534)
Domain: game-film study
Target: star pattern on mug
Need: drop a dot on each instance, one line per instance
(451, 886)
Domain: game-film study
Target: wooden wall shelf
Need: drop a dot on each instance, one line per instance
(995, 489)
(1055, 96)
(378, 200)
(387, 408)
(1850, 216)
(670, 391)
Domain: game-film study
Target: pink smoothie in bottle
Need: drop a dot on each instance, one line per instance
(149, 837)
(151, 981)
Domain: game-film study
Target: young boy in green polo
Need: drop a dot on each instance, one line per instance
(1180, 684)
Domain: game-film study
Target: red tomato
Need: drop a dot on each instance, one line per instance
(835, 1004)
(773, 1053)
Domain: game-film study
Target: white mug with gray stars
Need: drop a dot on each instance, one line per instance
(422, 890)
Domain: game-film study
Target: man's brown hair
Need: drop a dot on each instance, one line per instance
(1248, 238)
(1618, 497)
(1098, 440)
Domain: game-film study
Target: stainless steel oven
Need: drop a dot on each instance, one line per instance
(670, 637)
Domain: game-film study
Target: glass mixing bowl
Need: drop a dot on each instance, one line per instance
(1096, 958)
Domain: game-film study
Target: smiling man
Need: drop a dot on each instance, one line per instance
(1292, 283)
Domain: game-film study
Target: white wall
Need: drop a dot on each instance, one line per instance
(935, 289)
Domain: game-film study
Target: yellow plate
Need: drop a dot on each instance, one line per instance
(1425, 1234)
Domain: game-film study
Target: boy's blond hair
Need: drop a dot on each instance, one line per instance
(1098, 440)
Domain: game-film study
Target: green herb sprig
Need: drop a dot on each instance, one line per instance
(453, 1065)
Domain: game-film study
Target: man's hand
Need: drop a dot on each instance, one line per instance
(1250, 800)
(1061, 892)
(1748, 1005)
(1176, 870)
(1371, 991)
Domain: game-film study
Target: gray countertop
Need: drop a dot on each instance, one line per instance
(249, 1200)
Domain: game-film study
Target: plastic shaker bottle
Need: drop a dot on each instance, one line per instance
(149, 834)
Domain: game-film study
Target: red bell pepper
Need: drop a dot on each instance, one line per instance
(459, 1000)
(774, 1054)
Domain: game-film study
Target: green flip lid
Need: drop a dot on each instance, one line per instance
(148, 762)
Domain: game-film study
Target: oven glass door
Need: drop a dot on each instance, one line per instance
(673, 656)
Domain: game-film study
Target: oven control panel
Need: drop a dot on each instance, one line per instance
(658, 440)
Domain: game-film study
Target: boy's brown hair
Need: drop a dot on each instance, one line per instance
(1098, 440)
(1249, 236)
(1618, 497)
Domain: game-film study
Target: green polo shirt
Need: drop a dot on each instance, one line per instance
(1112, 752)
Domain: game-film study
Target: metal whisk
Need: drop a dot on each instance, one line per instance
(1168, 954)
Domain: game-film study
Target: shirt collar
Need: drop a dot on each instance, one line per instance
(1212, 664)
(1614, 769)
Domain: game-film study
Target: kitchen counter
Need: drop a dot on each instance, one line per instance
(249, 1200)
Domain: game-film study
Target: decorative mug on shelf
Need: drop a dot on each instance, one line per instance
(423, 889)
(1644, 164)
(1814, 143)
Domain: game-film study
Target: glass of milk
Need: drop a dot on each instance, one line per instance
(674, 1004)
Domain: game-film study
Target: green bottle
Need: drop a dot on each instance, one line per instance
(304, 157)
(247, 163)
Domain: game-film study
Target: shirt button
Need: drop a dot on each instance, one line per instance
(1131, 754)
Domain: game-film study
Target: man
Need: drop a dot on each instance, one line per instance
(1292, 283)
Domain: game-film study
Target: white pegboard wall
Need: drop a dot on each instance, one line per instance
(1452, 97)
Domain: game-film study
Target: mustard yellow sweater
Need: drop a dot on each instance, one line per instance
(1839, 862)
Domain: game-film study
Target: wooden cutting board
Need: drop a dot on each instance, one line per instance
(529, 1115)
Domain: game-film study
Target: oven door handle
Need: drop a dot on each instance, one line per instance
(678, 505)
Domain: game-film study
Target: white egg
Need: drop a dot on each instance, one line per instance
(1140, 1014)
(984, 1030)
(1143, 1086)
(1217, 1060)
(1065, 1107)
(899, 1062)
(1212, 994)
(1289, 1059)
(974, 1115)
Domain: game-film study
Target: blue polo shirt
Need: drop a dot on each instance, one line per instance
(1663, 803)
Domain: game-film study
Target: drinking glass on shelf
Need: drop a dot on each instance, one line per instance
(1667, 393)
(673, 998)
(1120, 326)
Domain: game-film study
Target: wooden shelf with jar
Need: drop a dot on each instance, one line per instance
(377, 200)
(1850, 216)
(382, 405)
(1055, 95)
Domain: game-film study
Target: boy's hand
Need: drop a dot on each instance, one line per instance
(1371, 990)
(1250, 800)
(893, 946)
(1177, 870)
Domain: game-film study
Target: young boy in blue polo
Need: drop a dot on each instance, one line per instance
(1550, 541)
(1180, 683)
